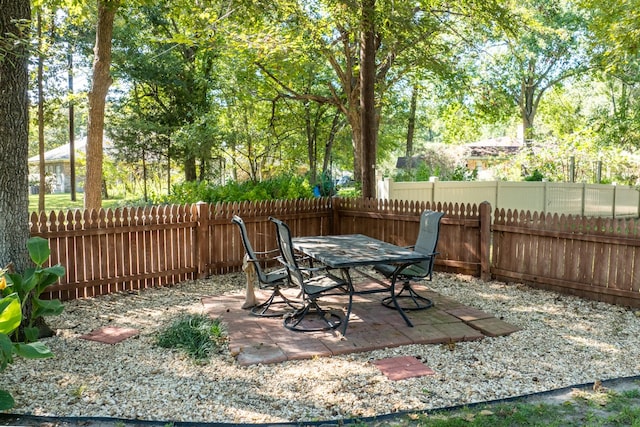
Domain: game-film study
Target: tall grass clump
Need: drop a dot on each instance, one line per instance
(198, 335)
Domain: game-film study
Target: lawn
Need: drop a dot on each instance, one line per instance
(62, 201)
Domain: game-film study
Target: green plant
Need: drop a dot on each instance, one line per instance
(198, 335)
(10, 319)
(281, 187)
(30, 285)
(535, 176)
(78, 391)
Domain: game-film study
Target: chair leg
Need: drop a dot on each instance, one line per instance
(323, 320)
(266, 309)
(414, 301)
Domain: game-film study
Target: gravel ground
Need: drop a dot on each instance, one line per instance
(564, 341)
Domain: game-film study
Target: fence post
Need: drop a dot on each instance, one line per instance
(334, 219)
(485, 241)
(201, 212)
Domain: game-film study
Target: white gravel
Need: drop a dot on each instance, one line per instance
(564, 341)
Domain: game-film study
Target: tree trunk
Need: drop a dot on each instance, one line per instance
(411, 127)
(101, 80)
(312, 144)
(41, 164)
(190, 174)
(354, 119)
(367, 99)
(528, 104)
(72, 126)
(15, 16)
(335, 127)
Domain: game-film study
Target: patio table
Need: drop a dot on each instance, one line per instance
(349, 251)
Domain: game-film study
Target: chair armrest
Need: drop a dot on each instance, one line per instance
(272, 251)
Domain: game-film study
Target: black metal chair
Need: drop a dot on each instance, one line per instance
(426, 244)
(314, 283)
(277, 304)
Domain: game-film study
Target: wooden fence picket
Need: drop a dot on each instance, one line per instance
(135, 248)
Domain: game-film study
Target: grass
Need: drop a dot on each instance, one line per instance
(196, 334)
(585, 409)
(62, 202)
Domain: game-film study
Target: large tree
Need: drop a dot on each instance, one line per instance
(169, 52)
(15, 16)
(100, 83)
(391, 37)
(519, 67)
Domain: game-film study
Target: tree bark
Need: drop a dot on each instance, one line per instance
(411, 127)
(15, 16)
(100, 83)
(369, 121)
(41, 164)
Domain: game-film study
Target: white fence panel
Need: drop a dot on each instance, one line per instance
(552, 197)
(416, 191)
(464, 192)
(525, 196)
(627, 201)
(564, 198)
(599, 200)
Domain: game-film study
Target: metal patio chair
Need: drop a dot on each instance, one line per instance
(277, 304)
(426, 244)
(314, 283)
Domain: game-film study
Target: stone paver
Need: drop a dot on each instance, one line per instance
(371, 326)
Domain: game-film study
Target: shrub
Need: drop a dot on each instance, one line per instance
(284, 187)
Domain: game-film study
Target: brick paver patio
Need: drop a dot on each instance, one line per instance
(371, 326)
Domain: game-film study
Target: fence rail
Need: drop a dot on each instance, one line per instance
(598, 258)
(127, 249)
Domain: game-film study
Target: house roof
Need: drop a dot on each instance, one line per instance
(494, 147)
(409, 162)
(61, 153)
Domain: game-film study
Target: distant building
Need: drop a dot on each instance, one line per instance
(482, 155)
(478, 156)
(57, 165)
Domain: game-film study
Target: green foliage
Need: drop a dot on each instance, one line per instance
(284, 187)
(446, 163)
(349, 192)
(551, 159)
(197, 335)
(10, 320)
(535, 176)
(29, 286)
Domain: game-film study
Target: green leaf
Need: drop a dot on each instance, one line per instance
(46, 307)
(31, 334)
(34, 350)
(56, 270)
(46, 278)
(10, 314)
(6, 351)
(23, 284)
(38, 250)
(6, 400)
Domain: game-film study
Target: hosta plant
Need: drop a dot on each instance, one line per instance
(10, 319)
(29, 286)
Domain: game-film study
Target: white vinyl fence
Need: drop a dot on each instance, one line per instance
(548, 197)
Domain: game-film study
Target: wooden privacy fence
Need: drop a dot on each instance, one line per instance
(596, 258)
(135, 248)
(125, 249)
(122, 249)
